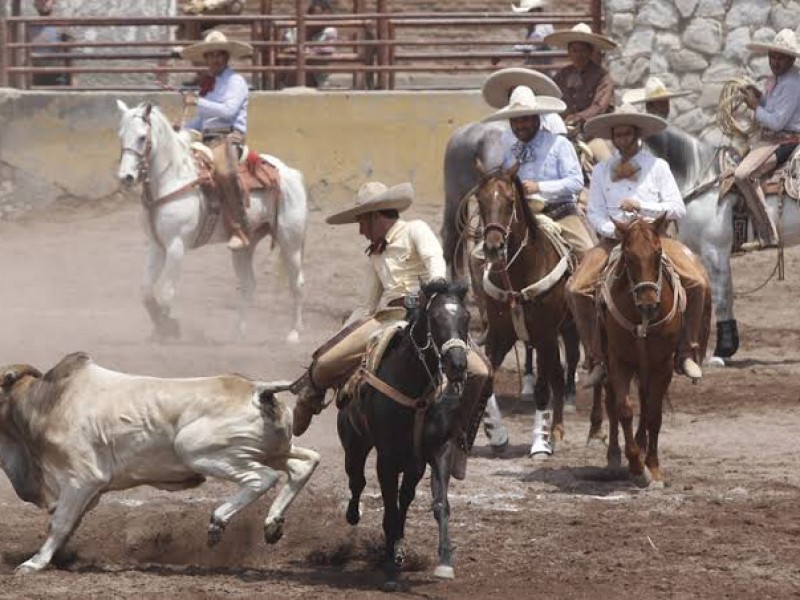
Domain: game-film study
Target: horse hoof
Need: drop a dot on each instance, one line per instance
(390, 586)
(353, 514)
(614, 462)
(596, 441)
(642, 480)
(293, 337)
(656, 485)
(444, 572)
(273, 531)
(215, 531)
(716, 361)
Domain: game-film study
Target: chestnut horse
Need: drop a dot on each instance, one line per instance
(524, 282)
(641, 313)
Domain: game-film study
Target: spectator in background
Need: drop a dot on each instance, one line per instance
(315, 32)
(47, 34)
(536, 34)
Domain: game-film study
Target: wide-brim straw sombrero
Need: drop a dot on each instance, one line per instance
(215, 41)
(601, 126)
(653, 91)
(498, 86)
(785, 42)
(523, 103)
(580, 33)
(527, 6)
(372, 197)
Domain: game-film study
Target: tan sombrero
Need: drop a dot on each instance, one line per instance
(527, 5)
(646, 123)
(523, 102)
(498, 86)
(372, 197)
(653, 91)
(580, 33)
(216, 40)
(785, 42)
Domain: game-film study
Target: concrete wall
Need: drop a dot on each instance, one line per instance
(59, 145)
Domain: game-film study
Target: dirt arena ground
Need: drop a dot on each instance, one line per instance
(726, 526)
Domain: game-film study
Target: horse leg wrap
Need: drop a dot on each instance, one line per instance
(727, 339)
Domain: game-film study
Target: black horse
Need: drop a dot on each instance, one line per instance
(433, 344)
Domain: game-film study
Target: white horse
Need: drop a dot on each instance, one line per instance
(708, 226)
(174, 219)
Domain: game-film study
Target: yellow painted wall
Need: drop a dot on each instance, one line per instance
(338, 140)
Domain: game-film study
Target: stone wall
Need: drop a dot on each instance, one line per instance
(693, 45)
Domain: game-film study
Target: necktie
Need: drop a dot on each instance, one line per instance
(376, 247)
(625, 170)
(522, 152)
(207, 84)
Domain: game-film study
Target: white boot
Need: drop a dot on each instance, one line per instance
(493, 424)
(542, 420)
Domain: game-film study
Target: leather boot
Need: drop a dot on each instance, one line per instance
(232, 203)
(310, 402)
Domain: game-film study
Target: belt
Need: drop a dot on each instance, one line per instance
(221, 132)
(559, 210)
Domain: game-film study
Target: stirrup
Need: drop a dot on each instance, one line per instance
(237, 242)
(757, 245)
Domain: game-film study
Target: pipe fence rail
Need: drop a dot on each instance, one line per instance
(374, 48)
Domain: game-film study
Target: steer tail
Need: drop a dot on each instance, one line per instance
(272, 406)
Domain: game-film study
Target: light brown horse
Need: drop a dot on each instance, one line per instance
(641, 314)
(524, 282)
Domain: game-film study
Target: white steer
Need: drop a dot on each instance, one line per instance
(82, 430)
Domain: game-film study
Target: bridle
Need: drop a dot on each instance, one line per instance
(143, 157)
(430, 344)
(636, 288)
(504, 230)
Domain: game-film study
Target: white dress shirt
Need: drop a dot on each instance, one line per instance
(224, 106)
(412, 253)
(655, 189)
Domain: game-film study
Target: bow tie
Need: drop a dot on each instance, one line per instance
(523, 152)
(376, 247)
(207, 84)
(625, 170)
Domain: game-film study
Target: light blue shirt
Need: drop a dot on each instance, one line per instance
(224, 106)
(548, 159)
(779, 110)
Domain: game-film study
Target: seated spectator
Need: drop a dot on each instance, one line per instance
(315, 32)
(47, 34)
(535, 35)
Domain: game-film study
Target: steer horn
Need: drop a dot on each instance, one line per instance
(12, 374)
(276, 386)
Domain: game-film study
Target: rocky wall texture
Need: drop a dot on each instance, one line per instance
(693, 45)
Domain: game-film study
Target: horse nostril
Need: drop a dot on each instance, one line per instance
(128, 179)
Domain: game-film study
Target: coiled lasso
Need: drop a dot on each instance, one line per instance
(734, 118)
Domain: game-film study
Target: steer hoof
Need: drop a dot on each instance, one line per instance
(643, 479)
(26, 568)
(215, 531)
(273, 531)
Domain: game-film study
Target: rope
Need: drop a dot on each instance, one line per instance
(775, 269)
(734, 118)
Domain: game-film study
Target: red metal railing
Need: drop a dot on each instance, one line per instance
(380, 46)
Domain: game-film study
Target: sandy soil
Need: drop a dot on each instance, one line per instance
(726, 526)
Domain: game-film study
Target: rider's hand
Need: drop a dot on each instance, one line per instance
(530, 187)
(573, 120)
(630, 205)
(751, 97)
(190, 99)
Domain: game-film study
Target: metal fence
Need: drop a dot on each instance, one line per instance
(372, 48)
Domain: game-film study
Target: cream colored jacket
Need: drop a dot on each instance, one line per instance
(413, 254)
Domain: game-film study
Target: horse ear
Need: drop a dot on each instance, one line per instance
(148, 106)
(123, 108)
(660, 224)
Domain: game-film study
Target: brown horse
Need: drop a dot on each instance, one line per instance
(641, 312)
(524, 282)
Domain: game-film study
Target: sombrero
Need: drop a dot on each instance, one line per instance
(580, 33)
(372, 197)
(527, 5)
(498, 86)
(216, 40)
(653, 90)
(785, 42)
(646, 123)
(523, 102)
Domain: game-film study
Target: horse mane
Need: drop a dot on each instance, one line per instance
(527, 214)
(162, 125)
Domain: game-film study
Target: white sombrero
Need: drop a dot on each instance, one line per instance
(653, 91)
(646, 123)
(785, 42)
(216, 40)
(527, 5)
(580, 33)
(498, 86)
(372, 197)
(523, 102)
